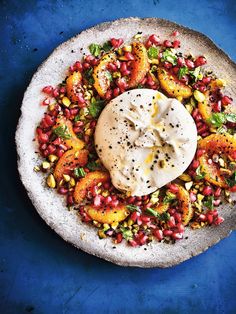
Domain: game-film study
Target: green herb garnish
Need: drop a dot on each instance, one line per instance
(62, 132)
(153, 52)
(109, 76)
(96, 107)
(199, 174)
(169, 198)
(79, 172)
(77, 118)
(220, 118)
(195, 74)
(92, 165)
(231, 181)
(133, 208)
(88, 75)
(127, 233)
(95, 49)
(163, 217)
(209, 202)
(107, 46)
(182, 71)
(168, 55)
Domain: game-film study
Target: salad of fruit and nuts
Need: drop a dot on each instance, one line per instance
(71, 164)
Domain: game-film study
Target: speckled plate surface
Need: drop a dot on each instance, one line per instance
(51, 206)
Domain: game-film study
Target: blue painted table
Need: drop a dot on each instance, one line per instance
(39, 272)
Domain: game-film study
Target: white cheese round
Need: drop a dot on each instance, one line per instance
(145, 140)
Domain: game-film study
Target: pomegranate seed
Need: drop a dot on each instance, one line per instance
(175, 33)
(195, 113)
(119, 237)
(216, 106)
(131, 199)
(158, 234)
(171, 222)
(80, 98)
(112, 67)
(167, 232)
(178, 217)
(122, 84)
(200, 61)
(200, 152)
(154, 39)
(184, 79)
(180, 61)
(62, 190)
(56, 92)
(173, 188)
(97, 200)
(167, 43)
(218, 220)
(189, 63)
(116, 43)
(48, 90)
(108, 95)
(49, 120)
(43, 146)
(180, 227)
(114, 197)
(70, 200)
(107, 200)
(86, 66)
(217, 192)
(145, 219)
(206, 80)
(226, 100)
(203, 129)
(51, 149)
(67, 113)
(148, 44)
(167, 65)
(94, 190)
(233, 189)
(177, 236)
(46, 102)
(193, 197)
(78, 66)
(207, 190)
(175, 70)
(138, 203)
(71, 68)
(42, 137)
(216, 202)
(202, 217)
(209, 218)
(114, 203)
(45, 153)
(129, 56)
(59, 152)
(143, 239)
(74, 111)
(202, 88)
(171, 211)
(57, 141)
(195, 164)
(214, 213)
(134, 216)
(176, 43)
(133, 243)
(62, 90)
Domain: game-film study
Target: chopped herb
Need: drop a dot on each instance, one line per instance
(77, 118)
(109, 76)
(127, 233)
(153, 52)
(168, 55)
(220, 118)
(169, 198)
(222, 129)
(62, 132)
(95, 49)
(88, 75)
(93, 165)
(199, 174)
(79, 172)
(95, 107)
(209, 202)
(195, 73)
(231, 117)
(231, 181)
(133, 208)
(107, 46)
(163, 216)
(182, 71)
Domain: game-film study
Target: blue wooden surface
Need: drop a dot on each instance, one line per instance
(39, 273)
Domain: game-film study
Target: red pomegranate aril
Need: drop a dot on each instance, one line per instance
(145, 219)
(173, 188)
(233, 189)
(167, 232)
(214, 213)
(143, 239)
(114, 197)
(154, 39)
(167, 44)
(116, 91)
(116, 43)
(218, 220)
(206, 80)
(189, 63)
(226, 100)
(200, 152)
(195, 164)
(107, 200)
(71, 69)
(134, 216)
(67, 113)
(48, 89)
(94, 190)
(203, 129)
(148, 205)
(193, 197)
(49, 120)
(78, 66)
(112, 67)
(86, 218)
(167, 65)
(114, 203)
(200, 61)
(133, 243)
(207, 190)
(175, 70)
(62, 190)
(59, 152)
(138, 203)
(217, 192)
(74, 111)
(176, 43)
(129, 56)
(122, 84)
(171, 222)
(180, 227)
(43, 138)
(45, 153)
(51, 149)
(158, 234)
(184, 79)
(202, 88)
(171, 211)
(205, 134)
(80, 98)
(56, 92)
(86, 66)
(202, 217)
(108, 94)
(216, 107)
(131, 199)
(70, 200)
(119, 237)
(178, 217)
(216, 202)
(210, 218)
(180, 61)
(177, 236)
(46, 102)
(57, 141)
(148, 43)
(43, 146)
(195, 113)
(175, 33)
(97, 200)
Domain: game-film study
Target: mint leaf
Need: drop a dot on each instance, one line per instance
(230, 117)
(92, 165)
(127, 233)
(79, 172)
(217, 119)
(107, 46)
(77, 118)
(163, 216)
(88, 75)
(209, 202)
(169, 56)
(95, 107)
(133, 208)
(195, 73)
(62, 132)
(231, 181)
(169, 198)
(95, 49)
(109, 76)
(199, 174)
(153, 52)
(182, 71)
